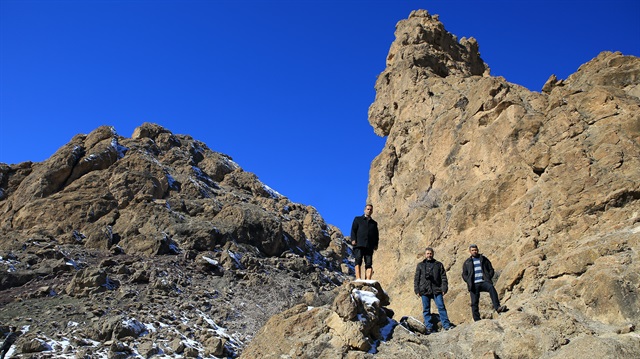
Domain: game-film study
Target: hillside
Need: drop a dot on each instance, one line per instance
(153, 245)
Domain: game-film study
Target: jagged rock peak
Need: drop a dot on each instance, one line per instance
(422, 42)
(423, 49)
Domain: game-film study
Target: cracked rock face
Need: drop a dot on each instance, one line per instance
(545, 183)
(153, 245)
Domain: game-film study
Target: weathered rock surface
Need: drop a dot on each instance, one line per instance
(356, 322)
(153, 245)
(546, 183)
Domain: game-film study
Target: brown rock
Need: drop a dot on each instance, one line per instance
(90, 281)
(545, 184)
(295, 332)
(344, 305)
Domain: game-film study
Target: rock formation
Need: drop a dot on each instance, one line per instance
(546, 184)
(355, 323)
(153, 244)
(156, 245)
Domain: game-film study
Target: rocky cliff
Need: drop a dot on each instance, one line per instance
(547, 184)
(153, 245)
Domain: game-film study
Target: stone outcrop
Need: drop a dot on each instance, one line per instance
(153, 244)
(546, 183)
(358, 324)
(353, 324)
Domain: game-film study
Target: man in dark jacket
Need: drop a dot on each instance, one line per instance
(478, 272)
(430, 282)
(364, 238)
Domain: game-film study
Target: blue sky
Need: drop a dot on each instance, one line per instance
(283, 87)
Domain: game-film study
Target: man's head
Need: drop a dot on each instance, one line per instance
(368, 210)
(12, 329)
(428, 253)
(473, 250)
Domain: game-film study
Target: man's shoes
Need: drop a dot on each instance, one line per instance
(502, 309)
(450, 327)
(428, 331)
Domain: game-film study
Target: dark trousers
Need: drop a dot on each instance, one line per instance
(475, 297)
(363, 252)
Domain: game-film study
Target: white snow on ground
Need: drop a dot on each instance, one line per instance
(72, 263)
(221, 332)
(171, 180)
(211, 261)
(9, 264)
(119, 148)
(236, 258)
(60, 349)
(366, 297)
(135, 326)
(273, 193)
(368, 281)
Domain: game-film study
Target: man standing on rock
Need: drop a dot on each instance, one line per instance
(477, 272)
(364, 238)
(430, 282)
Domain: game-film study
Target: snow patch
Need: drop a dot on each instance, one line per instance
(236, 259)
(135, 326)
(211, 261)
(273, 193)
(120, 150)
(366, 297)
(172, 181)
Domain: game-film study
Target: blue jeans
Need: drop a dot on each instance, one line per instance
(442, 311)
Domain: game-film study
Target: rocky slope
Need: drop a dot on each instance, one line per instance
(546, 183)
(152, 245)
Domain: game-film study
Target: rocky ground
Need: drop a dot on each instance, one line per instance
(115, 306)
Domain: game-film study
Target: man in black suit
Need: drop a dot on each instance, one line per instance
(364, 238)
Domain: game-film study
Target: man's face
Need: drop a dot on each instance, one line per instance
(428, 255)
(473, 251)
(368, 210)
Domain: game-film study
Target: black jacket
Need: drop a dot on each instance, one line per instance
(468, 274)
(365, 232)
(430, 278)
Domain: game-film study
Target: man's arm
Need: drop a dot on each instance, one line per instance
(465, 275)
(376, 239)
(490, 270)
(416, 280)
(445, 283)
(354, 231)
